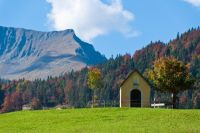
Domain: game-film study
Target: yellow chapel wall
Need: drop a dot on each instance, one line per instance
(128, 86)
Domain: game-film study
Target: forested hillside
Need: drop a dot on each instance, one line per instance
(186, 47)
(71, 88)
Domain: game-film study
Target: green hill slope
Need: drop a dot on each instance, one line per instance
(112, 120)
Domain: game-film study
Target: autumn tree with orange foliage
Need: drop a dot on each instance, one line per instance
(171, 75)
(7, 105)
(35, 104)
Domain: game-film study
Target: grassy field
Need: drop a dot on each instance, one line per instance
(104, 120)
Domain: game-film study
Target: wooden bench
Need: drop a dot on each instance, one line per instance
(158, 105)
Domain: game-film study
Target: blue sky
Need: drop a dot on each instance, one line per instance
(144, 20)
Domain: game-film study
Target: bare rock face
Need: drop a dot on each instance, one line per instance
(33, 54)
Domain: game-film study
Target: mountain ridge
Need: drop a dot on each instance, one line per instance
(33, 54)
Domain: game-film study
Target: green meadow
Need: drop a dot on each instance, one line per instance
(101, 120)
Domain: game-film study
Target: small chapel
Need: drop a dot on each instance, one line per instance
(135, 91)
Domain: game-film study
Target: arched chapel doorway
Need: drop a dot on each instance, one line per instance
(135, 98)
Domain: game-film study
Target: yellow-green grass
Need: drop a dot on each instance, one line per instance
(101, 120)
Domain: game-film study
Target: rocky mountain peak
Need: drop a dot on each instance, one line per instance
(34, 54)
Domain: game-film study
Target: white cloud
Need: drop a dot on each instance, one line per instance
(91, 18)
(194, 2)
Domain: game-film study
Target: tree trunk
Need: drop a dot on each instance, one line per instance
(92, 99)
(174, 99)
